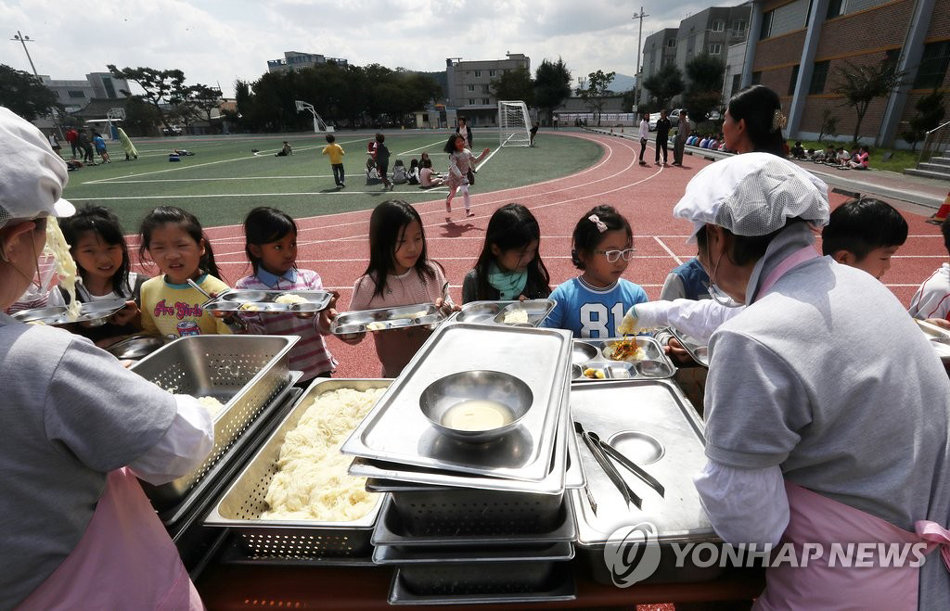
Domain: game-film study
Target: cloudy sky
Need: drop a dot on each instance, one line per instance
(220, 41)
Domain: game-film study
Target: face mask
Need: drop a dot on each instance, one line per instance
(718, 295)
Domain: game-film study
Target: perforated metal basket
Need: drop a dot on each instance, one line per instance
(244, 372)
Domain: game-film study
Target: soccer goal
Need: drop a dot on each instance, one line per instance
(319, 126)
(514, 123)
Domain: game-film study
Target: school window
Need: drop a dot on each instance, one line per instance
(471, 87)
(766, 30)
(671, 43)
(736, 80)
(471, 101)
(793, 80)
(485, 89)
(491, 73)
(933, 65)
(76, 94)
(486, 101)
(739, 26)
(478, 73)
(818, 77)
(715, 48)
(757, 78)
(719, 26)
(835, 8)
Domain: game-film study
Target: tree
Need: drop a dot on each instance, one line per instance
(25, 94)
(930, 112)
(704, 91)
(860, 85)
(552, 85)
(598, 88)
(202, 99)
(829, 124)
(514, 85)
(160, 86)
(665, 84)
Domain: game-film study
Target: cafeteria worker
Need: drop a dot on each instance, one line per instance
(76, 531)
(826, 409)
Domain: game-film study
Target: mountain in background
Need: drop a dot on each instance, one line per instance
(622, 83)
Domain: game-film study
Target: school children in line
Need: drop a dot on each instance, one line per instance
(593, 304)
(509, 266)
(462, 164)
(173, 240)
(399, 273)
(335, 152)
(271, 247)
(97, 244)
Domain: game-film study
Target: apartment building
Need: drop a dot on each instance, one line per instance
(469, 86)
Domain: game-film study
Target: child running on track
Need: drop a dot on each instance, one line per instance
(461, 160)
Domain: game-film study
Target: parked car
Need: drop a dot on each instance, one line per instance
(654, 117)
(173, 130)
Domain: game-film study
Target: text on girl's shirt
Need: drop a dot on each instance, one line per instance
(180, 310)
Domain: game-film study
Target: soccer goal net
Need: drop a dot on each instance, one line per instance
(514, 124)
(319, 125)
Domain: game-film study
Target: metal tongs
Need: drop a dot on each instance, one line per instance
(603, 452)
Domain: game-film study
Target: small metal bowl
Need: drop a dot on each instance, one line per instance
(136, 346)
(481, 385)
(581, 352)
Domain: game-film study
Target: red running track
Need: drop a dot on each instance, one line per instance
(336, 245)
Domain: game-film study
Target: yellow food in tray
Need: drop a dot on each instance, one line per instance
(250, 307)
(290, 299)
(516, 317)
(625, 350)
(375, 326)
(594, 373)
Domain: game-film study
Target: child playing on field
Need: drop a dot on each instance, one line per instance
(593, 304)
(399, 273)
(382, 161)
(335, 152)
(271, 247)
(100, 143)
(285, 151)
(174, 240)
(931, 302)
(97, 244)
(509, 266)
(461, 162)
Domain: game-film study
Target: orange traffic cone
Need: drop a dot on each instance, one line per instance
(941, 215)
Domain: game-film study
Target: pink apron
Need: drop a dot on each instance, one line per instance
(125, 560)
(817, 520)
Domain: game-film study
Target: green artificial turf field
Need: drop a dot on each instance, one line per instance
(224, 178)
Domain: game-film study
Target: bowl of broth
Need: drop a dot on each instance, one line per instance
(476, 406)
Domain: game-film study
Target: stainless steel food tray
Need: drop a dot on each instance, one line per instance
(487, 583)
(241, 506)
(495, 312)
(652, 423)
(594, 354)
(698, 351)
(93, 313)
(396, 430)
(251, 301)
(244, 372)
(385, 319)
(136, 346)
(460, 519)
(939, 339)
(402, 556)
(403, 477)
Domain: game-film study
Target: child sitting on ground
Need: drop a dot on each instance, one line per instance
(285, 150)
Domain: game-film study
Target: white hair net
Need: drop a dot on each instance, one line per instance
(753, 194)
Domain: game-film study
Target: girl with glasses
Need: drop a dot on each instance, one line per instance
(593, 304)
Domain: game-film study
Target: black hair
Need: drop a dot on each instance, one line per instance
(380, 137)
(105, 224)
(744, 249)
(164, 215)
(387, 222)
(861, 225)
(331, 138)
(511, 226)
(264, 225)
(450, 144)
(587, 235)
(414, 163)
(757, 105)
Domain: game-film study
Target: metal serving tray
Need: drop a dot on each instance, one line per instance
(498, 583)
(939, 339)
(241, 506)
(526, 520)
(136, 346)
(396, 430)
(495, 312)
(697, 350)
(402, 556)
(652, 423)
(93, 313)
(252, 301)
(593, 354)
(389, 477)
(244, 372)
(385, 319)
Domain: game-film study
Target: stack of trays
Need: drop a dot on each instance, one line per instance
(484, 520)
(594, 359)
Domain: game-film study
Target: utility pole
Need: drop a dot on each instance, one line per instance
(639, 16)
(20, 38)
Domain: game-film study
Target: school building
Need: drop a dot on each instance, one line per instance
(797, 46)
(469, 87)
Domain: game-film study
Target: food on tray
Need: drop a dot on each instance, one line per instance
(476, 415)
(311, 482)
(625, 350)
(211, 404)
(411, 315)
(65, 265)
(516, 317)
(375, 326)
(250, 307)
(290, 299)
(594, 373)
